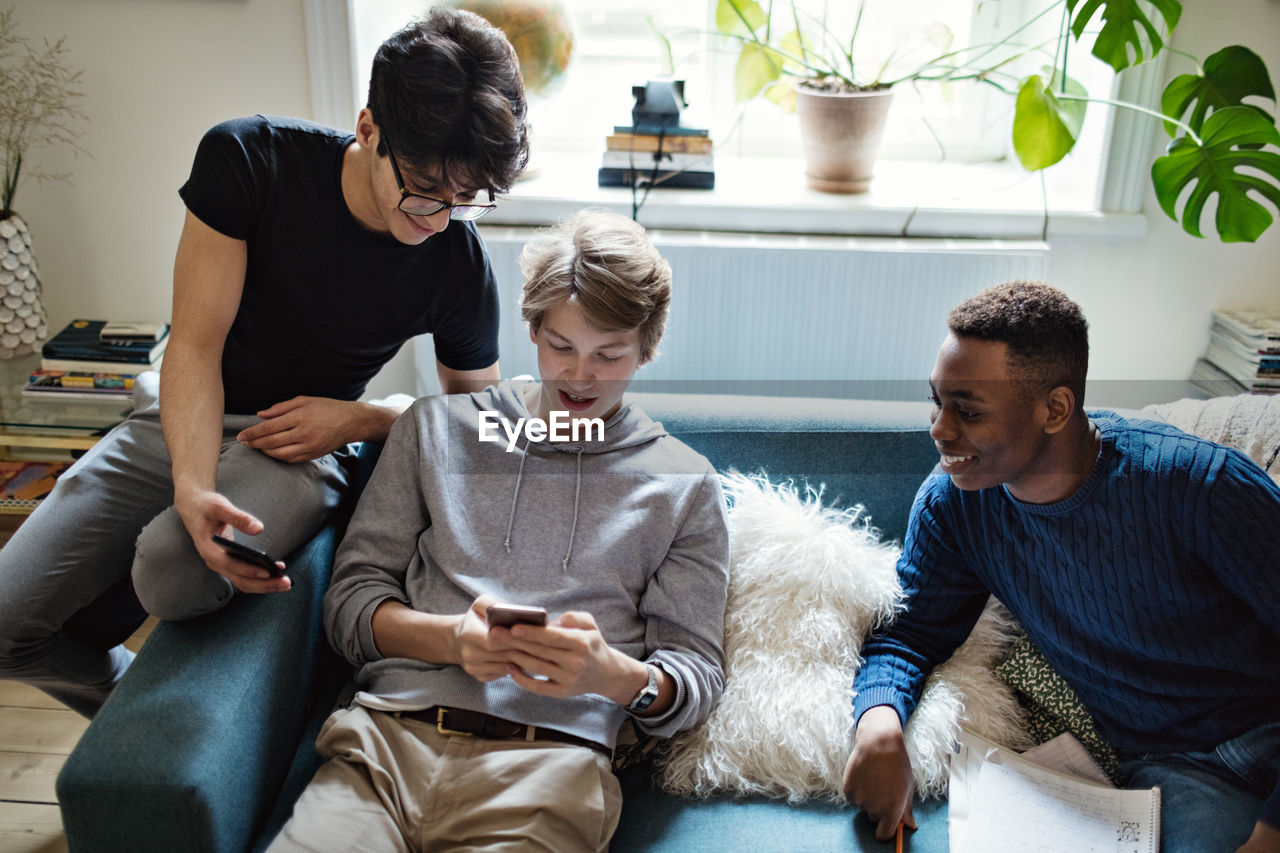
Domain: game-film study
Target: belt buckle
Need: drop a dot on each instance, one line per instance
(440, 714)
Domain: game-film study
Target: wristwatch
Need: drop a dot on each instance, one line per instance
(648, 694)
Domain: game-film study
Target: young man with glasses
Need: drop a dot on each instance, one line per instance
(308, 257)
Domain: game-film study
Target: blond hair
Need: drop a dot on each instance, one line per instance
(605, 265)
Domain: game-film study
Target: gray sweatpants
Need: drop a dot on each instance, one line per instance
(112, 513)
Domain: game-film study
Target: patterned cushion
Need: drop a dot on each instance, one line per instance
(1051, 706)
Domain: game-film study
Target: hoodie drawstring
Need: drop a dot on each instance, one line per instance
(515, 496)
(573, 528)
(506, 543)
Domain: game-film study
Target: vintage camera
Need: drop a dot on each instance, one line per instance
(658, 105)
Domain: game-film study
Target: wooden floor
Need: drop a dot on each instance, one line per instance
(36, 735)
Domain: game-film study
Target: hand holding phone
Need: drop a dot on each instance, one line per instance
(507, 615)
(248, 554)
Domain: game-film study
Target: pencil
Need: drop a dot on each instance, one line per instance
(898, 844)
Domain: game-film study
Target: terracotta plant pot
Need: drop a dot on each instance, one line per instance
(840, 133)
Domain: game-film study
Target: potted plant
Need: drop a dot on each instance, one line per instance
(39, 106)
(800, 63)
(1216, 130)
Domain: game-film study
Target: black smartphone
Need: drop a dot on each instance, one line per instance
(506, 615)
(250, 555)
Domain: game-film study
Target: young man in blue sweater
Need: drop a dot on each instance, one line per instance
(1141, 561)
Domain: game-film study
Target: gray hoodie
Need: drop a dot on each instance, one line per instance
(630, 529)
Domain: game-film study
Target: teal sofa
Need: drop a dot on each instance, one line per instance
(207, 741)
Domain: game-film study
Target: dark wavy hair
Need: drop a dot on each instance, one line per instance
(1046, 333)
(446, 89)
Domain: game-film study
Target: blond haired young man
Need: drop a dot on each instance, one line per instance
(466, 735)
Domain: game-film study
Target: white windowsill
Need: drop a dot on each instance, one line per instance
(990, 200)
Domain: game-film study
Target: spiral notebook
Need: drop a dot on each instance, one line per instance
(1000, 801)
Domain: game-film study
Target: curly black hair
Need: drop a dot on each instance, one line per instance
(1046, 333)
(446, 89)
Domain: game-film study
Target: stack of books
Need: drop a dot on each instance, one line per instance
(678, 156)
(97, 359)
(1244, 347)
(1213, 382)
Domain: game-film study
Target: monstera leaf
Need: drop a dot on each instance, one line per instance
(1045, 127)
(1230, 75)
(1212, 165)
(1123, 22)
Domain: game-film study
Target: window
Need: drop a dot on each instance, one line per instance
(615, 47)
(952, 124)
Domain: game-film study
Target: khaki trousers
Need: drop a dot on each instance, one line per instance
(396, 784)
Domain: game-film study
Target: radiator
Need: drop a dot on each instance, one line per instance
(789, 315)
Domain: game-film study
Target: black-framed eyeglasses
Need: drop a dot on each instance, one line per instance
(416, 204)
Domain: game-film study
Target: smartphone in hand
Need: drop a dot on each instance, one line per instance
(249, 555)
(507, 615)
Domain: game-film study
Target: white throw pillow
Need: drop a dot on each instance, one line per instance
(806, 584)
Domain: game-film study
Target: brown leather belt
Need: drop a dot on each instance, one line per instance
(459, 721)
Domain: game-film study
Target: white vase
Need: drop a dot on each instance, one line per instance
(23, 326)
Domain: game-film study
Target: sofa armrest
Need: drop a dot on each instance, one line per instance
(190, 751)
(192, 748)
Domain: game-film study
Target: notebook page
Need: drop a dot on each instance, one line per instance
(1021, 808)
(966, 764)
(1067, 754)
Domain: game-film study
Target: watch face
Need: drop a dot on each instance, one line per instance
(644, 700)
(648, 694)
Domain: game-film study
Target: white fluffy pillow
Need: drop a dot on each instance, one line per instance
(806, 584)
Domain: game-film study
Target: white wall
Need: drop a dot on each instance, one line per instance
(1148, 302)
(159, 72)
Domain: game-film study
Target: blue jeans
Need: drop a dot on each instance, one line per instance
(1210, 800)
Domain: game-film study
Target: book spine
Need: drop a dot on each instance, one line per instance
(105, 396)
(654, 130)
(70, 379)
(1253, 343)
(141, 356)
(1256, 326)
(1262, 364)
(664, 178)
(667, 162)
(93, 366)
(645, 142)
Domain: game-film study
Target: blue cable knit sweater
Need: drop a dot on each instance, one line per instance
(1154, 589)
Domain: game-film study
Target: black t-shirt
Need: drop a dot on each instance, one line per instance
(326, 302)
